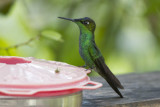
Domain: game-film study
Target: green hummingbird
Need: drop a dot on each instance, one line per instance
(91, 54)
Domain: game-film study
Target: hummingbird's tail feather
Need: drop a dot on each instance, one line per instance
(105, 72)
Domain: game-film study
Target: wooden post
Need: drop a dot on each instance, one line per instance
(141, 90)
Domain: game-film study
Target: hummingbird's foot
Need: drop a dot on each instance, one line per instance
(89, 69)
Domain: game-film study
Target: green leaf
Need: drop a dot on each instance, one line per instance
(52, 35)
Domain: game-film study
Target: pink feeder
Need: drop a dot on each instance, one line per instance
(30, 77)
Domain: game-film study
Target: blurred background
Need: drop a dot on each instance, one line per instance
(127, 32)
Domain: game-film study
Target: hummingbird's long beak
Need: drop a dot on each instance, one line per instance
(67, 19)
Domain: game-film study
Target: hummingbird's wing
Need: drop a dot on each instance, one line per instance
(103, 69)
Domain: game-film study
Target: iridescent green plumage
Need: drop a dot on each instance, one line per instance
(91, 54)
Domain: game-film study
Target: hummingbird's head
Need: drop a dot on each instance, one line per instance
(85, 23)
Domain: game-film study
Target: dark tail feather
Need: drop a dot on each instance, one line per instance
(105, 72)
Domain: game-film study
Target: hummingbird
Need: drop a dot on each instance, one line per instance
(91, 54)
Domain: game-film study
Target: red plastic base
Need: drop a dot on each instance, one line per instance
(46, 93)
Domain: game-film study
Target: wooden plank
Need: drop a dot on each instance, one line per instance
(141, 90)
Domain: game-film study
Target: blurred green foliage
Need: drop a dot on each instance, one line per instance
(127, 31)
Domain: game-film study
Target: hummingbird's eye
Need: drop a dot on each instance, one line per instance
(86, 22)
